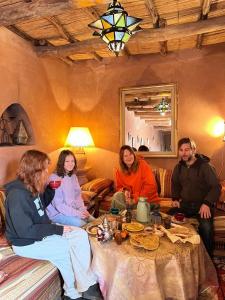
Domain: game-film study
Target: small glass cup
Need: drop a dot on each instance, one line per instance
(167, 222)
(114, 225)
(54, 184)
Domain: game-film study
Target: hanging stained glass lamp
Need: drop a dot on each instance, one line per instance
(163, 107)
(115, 27)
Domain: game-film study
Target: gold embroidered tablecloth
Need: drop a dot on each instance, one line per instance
(172, 272)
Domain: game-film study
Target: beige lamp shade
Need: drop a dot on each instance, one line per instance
(79, 137)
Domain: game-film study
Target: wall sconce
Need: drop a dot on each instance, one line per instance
(224, 131)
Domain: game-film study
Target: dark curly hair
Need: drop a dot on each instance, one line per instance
(60, 171)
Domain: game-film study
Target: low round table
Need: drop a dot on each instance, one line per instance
(173, 271)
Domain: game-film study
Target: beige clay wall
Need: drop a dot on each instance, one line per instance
(56, 97)
(200, 79)
(41, 87)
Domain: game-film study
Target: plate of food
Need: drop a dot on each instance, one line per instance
(146, 241)
(134, 227)
(92, 229)
(180, 231)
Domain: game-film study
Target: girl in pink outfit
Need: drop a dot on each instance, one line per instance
(67, 206)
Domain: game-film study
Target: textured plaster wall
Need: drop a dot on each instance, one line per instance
(56, 97)
(200, 79)
(41, 86)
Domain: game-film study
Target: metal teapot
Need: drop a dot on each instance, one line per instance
(143, 209)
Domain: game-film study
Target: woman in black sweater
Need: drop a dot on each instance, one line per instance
(32, 234)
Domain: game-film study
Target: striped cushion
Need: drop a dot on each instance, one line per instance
(2, 211)
(165, 182)
(29, 279)
(3, 241)
(97, 185)
(222, 195)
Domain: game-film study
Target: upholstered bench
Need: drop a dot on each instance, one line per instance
(24, 278)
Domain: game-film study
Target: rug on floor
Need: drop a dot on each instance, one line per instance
(220, 267)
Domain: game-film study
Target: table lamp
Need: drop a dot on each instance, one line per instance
(78, 138)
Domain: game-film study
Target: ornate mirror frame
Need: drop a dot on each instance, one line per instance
(163, 125)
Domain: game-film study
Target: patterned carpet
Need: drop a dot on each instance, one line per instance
(220, 267)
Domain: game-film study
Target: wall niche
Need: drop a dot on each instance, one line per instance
(15, 127)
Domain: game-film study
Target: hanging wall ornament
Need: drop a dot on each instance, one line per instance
(20, 135)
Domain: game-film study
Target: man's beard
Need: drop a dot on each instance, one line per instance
(190, 157)
(187, 159)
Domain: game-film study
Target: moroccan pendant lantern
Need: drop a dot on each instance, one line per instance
(115, 27)
(163, 107)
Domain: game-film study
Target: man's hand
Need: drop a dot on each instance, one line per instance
(205, 212)
(175, 203)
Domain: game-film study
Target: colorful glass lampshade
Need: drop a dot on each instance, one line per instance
(115, 27)
(163, 107)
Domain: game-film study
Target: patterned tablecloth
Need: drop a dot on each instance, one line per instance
(172, 272)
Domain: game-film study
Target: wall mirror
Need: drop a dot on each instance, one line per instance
(148, 119)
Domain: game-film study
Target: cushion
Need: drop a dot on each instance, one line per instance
(2, 211)
(3, 241)
(157, 179)
(87, 196)
(3, 276)
(165, 177)
(105, 192)
(97, 185)
(82, 179)
(222, 195)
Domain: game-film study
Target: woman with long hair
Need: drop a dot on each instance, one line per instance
(32, 234)
(67, 206)
(133, 179)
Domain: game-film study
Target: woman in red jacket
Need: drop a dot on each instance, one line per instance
(133, 179)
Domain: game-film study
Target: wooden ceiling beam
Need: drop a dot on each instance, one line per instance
(61, 29)
(92, 12)
(154, 35)
(163, 44)
(204, 15)
(163, 48)
(23, 11)
(138, 103)
(140, 108)
(97, 57)
(22, 34)
(153, 12)
(205, 8)
(157, 22)
(66, 60)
